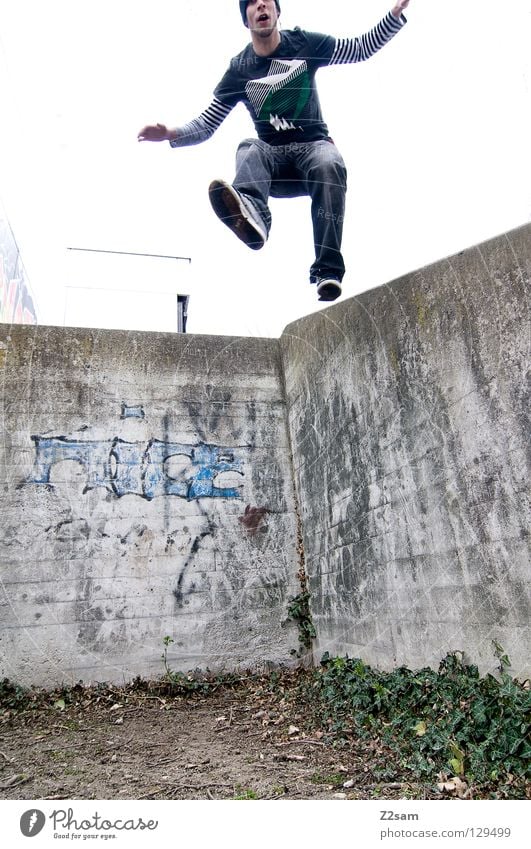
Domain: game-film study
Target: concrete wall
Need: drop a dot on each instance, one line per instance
(146, 492)
(147, 484)
(409, 417)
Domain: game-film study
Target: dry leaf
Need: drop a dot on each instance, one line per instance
(454, 785)
(461, 787)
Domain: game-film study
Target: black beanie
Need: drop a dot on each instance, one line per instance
(243, 9)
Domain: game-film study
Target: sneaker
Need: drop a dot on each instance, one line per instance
(328, 288)
(238, 214)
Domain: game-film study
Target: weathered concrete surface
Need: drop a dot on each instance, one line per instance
(147, 484)
(409, 418)
(146, 492)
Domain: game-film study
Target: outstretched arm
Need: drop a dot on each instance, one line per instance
(195, 132)
(359, 49)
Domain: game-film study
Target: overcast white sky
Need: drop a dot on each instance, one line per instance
(435, 131)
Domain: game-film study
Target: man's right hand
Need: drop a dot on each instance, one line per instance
(157, 133)
(399, 7)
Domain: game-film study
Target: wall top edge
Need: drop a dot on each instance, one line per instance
(522, 233)
(49, 329)
(215, 339)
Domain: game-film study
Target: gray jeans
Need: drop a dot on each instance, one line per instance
(292, 170)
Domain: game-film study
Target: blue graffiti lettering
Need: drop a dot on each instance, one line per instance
(132, 468)
(126, 468)
(94, 456)
(208, 461)
(129, 412)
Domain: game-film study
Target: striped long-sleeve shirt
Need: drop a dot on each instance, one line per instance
(279, 90)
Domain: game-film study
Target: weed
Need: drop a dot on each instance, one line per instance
(299, 611)
(242, 794)
(12, 696)
(334, 779)
(450, 720)
(279, 791)
(194, 682)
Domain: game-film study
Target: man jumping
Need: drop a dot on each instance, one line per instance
(293, 155)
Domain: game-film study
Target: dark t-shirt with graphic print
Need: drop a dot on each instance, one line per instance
(279, 90)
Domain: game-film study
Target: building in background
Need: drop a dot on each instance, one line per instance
(182, 312)
(126, 290)
(16, 302)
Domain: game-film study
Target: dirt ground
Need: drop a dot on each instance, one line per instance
(230, 744)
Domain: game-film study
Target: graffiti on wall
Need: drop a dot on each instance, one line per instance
(134, 468)
(16, 303)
